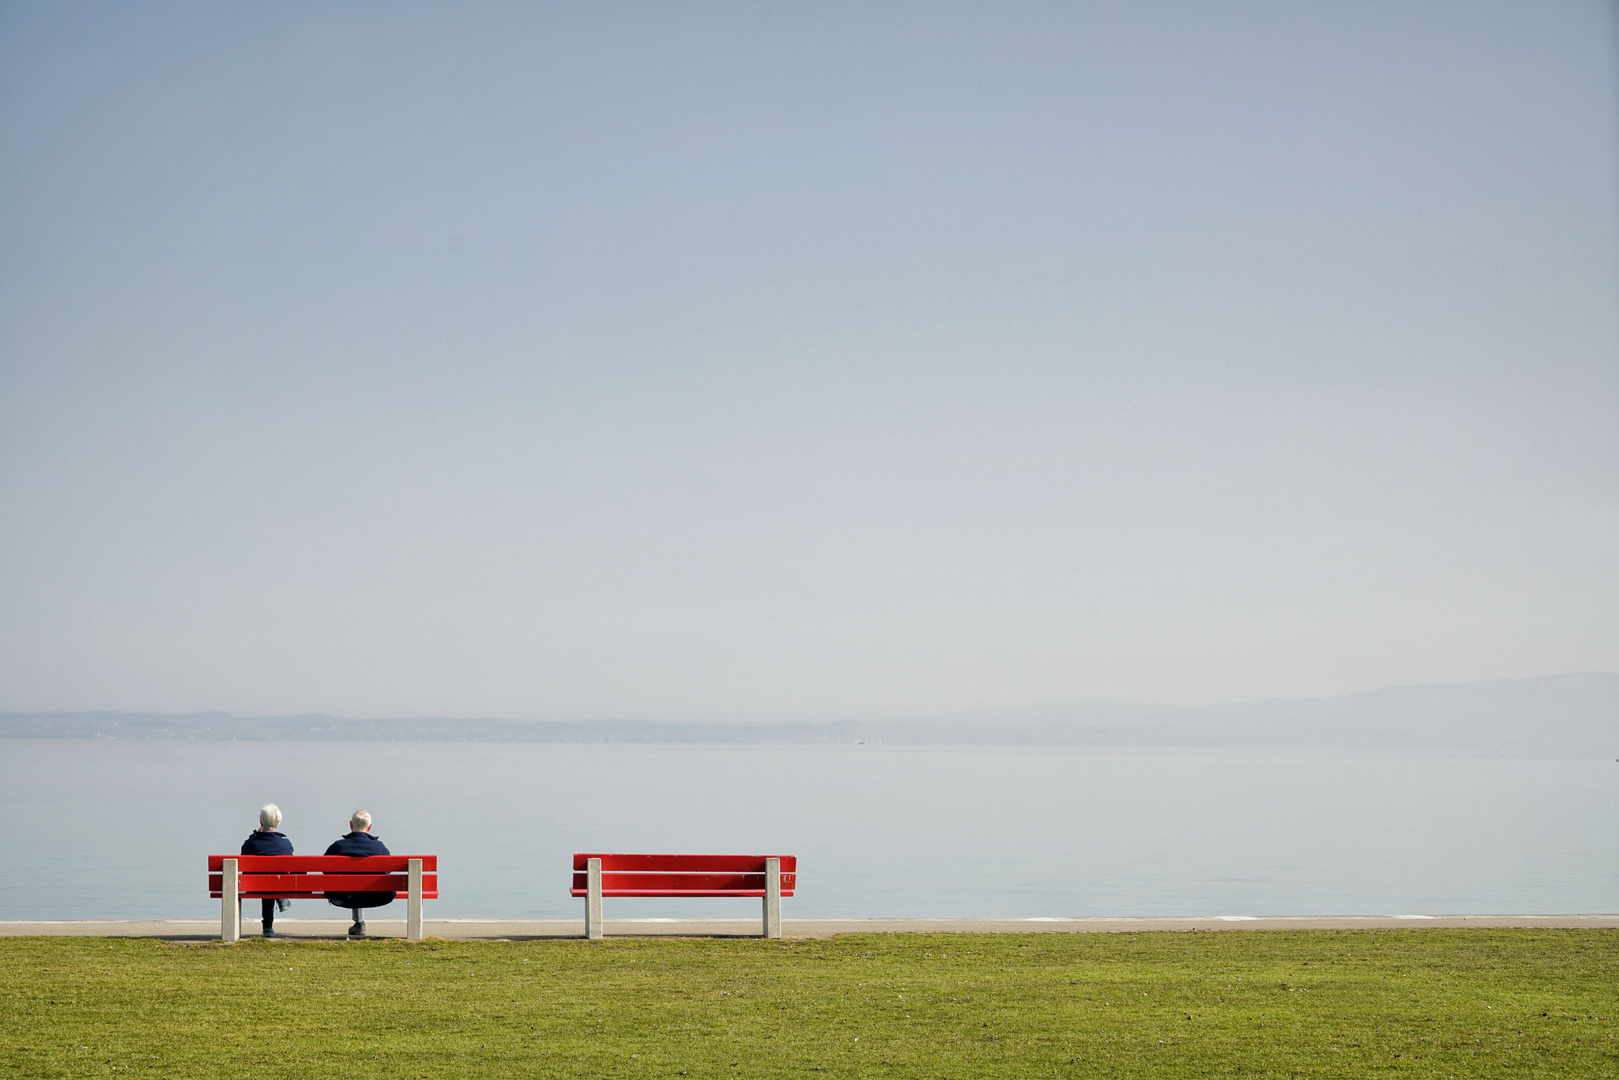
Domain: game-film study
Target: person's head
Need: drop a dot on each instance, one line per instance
(269, 816)
(360, 822)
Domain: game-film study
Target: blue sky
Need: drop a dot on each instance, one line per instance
(755, 360)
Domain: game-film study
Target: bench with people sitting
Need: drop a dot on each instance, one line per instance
(357, 873)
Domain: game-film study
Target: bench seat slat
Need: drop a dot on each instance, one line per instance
(684, 864)
(283, 894)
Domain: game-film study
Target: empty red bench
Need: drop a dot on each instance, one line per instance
(768, 876)
(234, 878)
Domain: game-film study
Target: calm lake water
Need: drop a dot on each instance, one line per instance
(121, 829)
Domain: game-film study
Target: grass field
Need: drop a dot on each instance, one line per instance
(1406, 1003)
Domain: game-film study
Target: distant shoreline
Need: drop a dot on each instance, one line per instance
(1576, 714)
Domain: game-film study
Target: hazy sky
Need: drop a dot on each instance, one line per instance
(703, 359)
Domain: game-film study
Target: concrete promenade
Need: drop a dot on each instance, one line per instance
(293, 929)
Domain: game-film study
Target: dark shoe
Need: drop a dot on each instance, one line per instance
(283, 905)
(358, 929)
(269, 931)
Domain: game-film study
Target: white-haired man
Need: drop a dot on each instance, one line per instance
(265, 840)
(359, 842)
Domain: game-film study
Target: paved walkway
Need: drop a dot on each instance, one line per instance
(531, 929)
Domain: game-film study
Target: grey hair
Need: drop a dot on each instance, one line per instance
(269, 816)
(360, 822)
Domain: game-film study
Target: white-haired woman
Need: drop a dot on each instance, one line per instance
(265, 840)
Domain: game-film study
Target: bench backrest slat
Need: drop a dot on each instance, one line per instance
(685, 864)
(315, 864)
(682, 875)
(322, 883)
(653, 884)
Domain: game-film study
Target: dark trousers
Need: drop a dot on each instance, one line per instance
(268, 907)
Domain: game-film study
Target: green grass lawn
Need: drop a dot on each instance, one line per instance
(1419, 1003)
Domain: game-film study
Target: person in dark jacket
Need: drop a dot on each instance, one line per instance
(359, 841)
(266, 841)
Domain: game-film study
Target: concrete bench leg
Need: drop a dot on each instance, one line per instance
(772, 898)
(593, 899)
(230, 904)
(413, 905)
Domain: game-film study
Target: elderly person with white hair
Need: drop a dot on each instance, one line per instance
(265, 840)
(358, 842)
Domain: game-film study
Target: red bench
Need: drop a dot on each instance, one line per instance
(234, 878)
(769, 876)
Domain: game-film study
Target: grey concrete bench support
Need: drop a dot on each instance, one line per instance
(230, 906)
(593, 902)
(772, 898)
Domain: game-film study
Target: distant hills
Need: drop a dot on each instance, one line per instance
(1556, 714)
